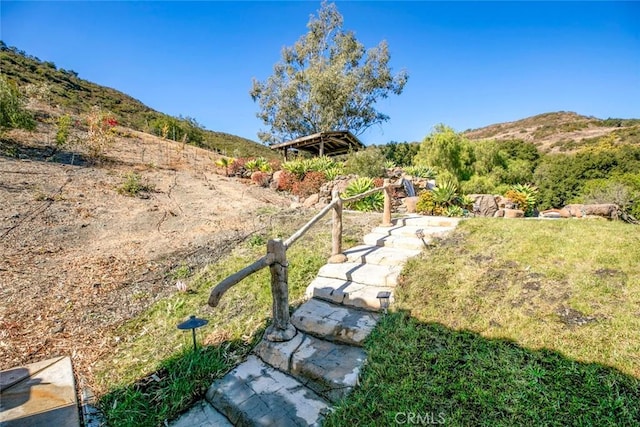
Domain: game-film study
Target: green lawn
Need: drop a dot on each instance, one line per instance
(510, 323)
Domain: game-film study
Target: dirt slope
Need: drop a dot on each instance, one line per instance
(77, 258)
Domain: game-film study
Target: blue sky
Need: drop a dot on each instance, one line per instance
(469, 64)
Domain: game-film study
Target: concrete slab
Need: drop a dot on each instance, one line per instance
(333, 322)
(330, 369)
(368, 274)
(255, 394)
(278, 354)
(347, 293)
(202, 414)
(39, 394)
(380, 255)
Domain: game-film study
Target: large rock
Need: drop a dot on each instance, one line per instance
(605, 210)
(513, 213)
(275, 179)
(410, 203)
(311, 201)
(485, 204)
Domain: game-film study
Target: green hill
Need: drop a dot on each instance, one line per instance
(58, 87)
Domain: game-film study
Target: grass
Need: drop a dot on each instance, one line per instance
(510, 323)
(155, 375)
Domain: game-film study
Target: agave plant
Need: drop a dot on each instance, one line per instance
(453, 210)
(526, 194)
(372, 202)
(334, 172)
(426, 172)
(389, 164)
(446, 193)
(225, 162)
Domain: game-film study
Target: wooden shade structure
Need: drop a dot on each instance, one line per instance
(331, 143)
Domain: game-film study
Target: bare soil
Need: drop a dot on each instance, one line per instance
(77, 258)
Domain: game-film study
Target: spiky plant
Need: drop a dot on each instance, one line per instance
(446, 193)
(426, 172)
(372, 202)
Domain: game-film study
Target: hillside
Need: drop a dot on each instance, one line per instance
(62, 91)
(560, 131)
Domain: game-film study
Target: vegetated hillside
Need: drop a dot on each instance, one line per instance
(65, 92)
(560, 131)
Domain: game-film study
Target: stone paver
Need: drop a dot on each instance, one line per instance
(333, 322)
(202, 414)
(412, 230)
(256, 394)
(368, 274)
(328, 368)
(347, 293)
(380, 255)
(39, 394)
(402, 242)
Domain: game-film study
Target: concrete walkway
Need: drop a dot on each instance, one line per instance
(295, 383)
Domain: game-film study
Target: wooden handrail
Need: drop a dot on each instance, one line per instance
(281, 329)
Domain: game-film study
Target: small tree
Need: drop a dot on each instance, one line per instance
(326, 81)
(12, 112)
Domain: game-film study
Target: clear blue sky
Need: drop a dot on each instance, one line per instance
(470, 64)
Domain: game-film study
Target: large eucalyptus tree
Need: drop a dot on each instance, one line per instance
(326, 81)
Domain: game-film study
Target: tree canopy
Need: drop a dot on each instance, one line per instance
(326, 81)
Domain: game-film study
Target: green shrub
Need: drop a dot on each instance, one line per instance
(63, 129)
(366, 163)
(134, 185)
(426, 172)
(426, 204)
(446, 193)
(453, 211)
(12, 109)
(372, 202)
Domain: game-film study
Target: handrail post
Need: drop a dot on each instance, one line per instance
(336, 217)
(281, 329)
(337, 256)
(386, 215)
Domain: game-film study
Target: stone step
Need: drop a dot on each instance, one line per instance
(328, 368)
(398, 242)
(256, 394)
(413, 230)
(368, 274)
(347, 293)
(426, 221)
(202, 414)
(380, 255)
(333, 322)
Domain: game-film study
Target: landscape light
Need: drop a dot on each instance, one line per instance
(193, 323)
(384, 297)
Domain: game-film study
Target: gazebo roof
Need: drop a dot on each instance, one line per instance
(331, 143)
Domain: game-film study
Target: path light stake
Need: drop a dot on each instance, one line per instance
(384, 297)
(193, 323)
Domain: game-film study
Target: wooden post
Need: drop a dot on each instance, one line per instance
(336, 220)
(321, 148)
(386, 215)
(281, 329)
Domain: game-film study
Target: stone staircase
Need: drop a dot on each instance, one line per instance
(295, 383)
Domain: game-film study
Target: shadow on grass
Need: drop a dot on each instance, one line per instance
(180, 381)
(425, 373)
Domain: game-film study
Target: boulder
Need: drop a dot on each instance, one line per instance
(499, 213)
(604, 210)
(484, 204)
(275, 179)
(311, 200)
(410, 204)
(555, 213)
(513, 213)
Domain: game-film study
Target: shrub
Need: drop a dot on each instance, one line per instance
(446, 193)
(286, 181)
(426, 205)
(261, 178)
(525, 196)
(12, 108)
(453, 210)
(134, 185)
(258, 164)
(63, 129)
(421, 171)
(372, 202)
(309, 185)
(225, 163)
(100, 132)
(366, 163)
